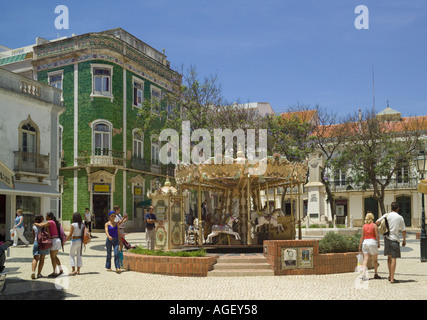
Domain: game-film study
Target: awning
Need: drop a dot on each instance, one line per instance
(13, 59)
(30, 189)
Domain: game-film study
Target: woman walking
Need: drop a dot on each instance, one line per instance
(19, 229)
(113, 241)
(76, 234)
(369, 244)
(38, 254)
(54, 230)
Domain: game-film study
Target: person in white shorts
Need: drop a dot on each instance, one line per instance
(369, 244)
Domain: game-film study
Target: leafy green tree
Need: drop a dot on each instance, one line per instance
(377, 147)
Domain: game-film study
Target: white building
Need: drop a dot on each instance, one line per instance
(29, 157)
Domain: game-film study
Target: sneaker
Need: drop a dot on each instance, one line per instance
(39, 276)
(33, 275)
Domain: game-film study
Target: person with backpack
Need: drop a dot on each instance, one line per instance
(55, 231)
(396, 223)
(38, 254)
(76, 236)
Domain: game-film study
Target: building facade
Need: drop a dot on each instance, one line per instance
(106, 159)
(353, 201)
(29, 158)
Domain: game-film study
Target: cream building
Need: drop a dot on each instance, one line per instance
(351, 202)
(29, 157)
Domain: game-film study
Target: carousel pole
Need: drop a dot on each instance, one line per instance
(199, 196)
(266, 196)
(299, 212)
(292, 207)
(275, 194)
(248, 196)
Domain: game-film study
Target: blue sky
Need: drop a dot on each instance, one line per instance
(288, 53)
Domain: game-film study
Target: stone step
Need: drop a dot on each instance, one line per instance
(249, 259)
(241, 266)
(240, 273)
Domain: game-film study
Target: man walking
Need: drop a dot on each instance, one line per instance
(150, 230)
(391, 241)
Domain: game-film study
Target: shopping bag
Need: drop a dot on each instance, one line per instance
(359, 258)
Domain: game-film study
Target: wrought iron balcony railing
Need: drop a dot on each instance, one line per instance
(139, 163)
(395, 184)
(31, 162)
(100, 157)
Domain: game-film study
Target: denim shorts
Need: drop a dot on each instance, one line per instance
(37, 251)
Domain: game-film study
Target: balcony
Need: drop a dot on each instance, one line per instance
(32, 163)
(101, 158)
(141, 164)
(395, 184)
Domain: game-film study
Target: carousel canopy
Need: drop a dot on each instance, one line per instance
(234, 173)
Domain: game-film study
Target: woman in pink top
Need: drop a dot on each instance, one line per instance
(369, 244)
(53, 226)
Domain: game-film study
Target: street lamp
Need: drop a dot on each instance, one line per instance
(421, 165)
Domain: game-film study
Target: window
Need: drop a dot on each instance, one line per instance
(155, 100)
(402, 174)
(155, 151)
(101, 139)
(339, 177)
(29, 138)
(138, 144)
(101, 80)
(138, 92)
(55, 80)
(60, 133)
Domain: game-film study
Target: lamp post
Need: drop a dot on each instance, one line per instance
(421, 165)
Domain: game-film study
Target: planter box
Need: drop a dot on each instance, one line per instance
(328, 263)
(174, 266)
(323, 231)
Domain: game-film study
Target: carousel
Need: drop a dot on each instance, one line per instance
(239, 214)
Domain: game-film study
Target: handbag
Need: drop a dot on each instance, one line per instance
(86, 236)
(43, 239)
(384, 228)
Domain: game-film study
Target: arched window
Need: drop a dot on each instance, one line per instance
(101, 145)
(138, 144)
(155, 149)
(29, 136)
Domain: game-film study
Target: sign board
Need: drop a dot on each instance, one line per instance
(101, 188)
(297, 257)
(6, 175)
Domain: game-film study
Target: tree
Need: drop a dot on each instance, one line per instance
(329, 135)
(377, 147)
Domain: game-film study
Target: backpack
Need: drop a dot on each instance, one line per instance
(384, 228)
(43, 239)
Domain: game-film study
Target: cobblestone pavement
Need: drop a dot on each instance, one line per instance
(95, 283)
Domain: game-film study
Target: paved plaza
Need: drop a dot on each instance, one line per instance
(95, 283)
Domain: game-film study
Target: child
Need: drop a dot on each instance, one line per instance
(38, 255)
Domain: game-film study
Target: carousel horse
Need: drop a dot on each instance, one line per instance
(270, 219)
(193, 232)
(227, 228)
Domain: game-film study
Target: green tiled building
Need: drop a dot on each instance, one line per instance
(106, 159)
